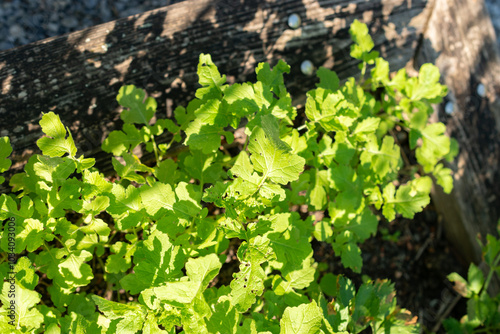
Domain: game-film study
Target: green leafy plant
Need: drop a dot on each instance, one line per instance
(145, 253)
(483, 310)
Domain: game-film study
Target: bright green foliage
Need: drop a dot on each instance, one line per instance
(271, 156)
(56, 144)
(5, 151)
(482, 308)
(156, 239)
(303, 319)
(138, 109)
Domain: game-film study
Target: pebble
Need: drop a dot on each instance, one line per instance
(69, 22)
(16, 31)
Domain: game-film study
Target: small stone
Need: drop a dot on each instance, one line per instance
(307, 67)
(52, 27)
(449, 108)
(69, 22)
(90, 4)
(294, 21)
(16, 31)
(481, 90)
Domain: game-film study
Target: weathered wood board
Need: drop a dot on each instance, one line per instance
(461, 41)
(78, 75)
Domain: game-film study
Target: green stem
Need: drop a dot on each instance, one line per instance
(48, 250)
(302, 127)
(363, 70)
(490, 273)
(101, 263)
(155, 149)
(108, 244)
(4, 258)
(62, 243)
(487, 329)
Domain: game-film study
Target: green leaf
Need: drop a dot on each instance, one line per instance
(54, 170)
(476, 279)
(9, 208)
(96, 205)
(428, 86)
(248, 283)
(74, 270)
(303, 319)
(225, 319)
(350, 255)
(120, 260)
(290, 241)
(330, 110)
(56, 144)
(435, 146)
(209, 78)
(342, 150)
(122, 141)
(156, 261)
(5, 151)
(23, 302)
(318, 190)
(166, 172)
(380, 73)
(32, 235)
(94, 184)
(366, 126)
(200, 271)
(364, 225)
(244, 100)
(129, 170)
(273, 78)
(328, 284)
(25, 276)
(157, 197)
(242, 167)
(409, 199)
(138, 109)
(202, 167)
(327, 79)
(383, 160)
(443, 177)
(128, 318)
(363, 42)
(203, 137)
(271, 156)
(125, 200)
(78, 324)
(350, 186)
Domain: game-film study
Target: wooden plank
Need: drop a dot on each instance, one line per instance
(78, 75)
(461, 41)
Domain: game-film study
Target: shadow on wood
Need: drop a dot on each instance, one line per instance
(461, 41)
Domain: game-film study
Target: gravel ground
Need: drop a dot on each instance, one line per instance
(26, 21)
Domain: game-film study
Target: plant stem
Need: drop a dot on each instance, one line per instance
(155, 149)
(490, 273)
(62, 243)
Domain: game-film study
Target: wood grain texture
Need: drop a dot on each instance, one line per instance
(461, 41)
(78, 75)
